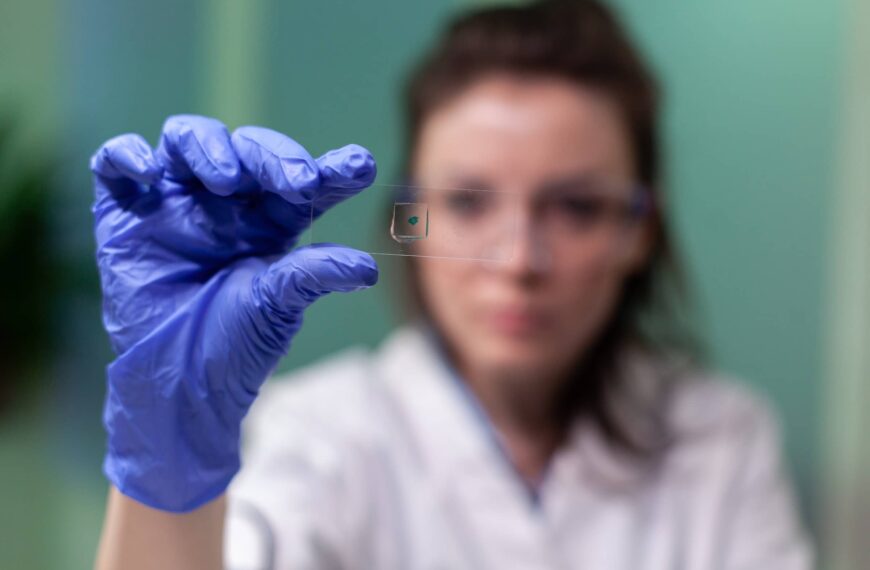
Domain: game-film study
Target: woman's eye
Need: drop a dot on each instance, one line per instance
(584, 209)
(465, 203)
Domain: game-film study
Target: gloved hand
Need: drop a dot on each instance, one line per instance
(200, 297)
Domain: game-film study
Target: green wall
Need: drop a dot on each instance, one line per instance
(751, 124)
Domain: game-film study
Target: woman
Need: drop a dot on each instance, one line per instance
(535, 415)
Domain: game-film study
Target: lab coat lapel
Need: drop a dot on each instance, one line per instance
(477, 493)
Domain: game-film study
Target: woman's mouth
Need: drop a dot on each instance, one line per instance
(515, 321)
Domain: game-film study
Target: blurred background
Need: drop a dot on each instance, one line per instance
(768, 135)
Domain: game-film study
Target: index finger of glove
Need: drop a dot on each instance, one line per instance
(344, 173)
(277, 163)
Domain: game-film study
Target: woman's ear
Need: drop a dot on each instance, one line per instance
(641, 243)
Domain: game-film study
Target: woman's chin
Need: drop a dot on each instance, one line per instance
(515, 356)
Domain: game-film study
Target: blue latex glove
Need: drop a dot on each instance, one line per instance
(200, 297)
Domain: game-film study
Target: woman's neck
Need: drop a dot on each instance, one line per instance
(525, 412)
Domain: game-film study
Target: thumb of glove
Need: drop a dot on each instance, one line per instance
(307, 273)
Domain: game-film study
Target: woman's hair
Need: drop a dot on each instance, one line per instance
(582, 42)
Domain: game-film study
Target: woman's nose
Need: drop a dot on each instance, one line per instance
(532, 255)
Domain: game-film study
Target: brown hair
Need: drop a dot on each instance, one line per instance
(581, 41)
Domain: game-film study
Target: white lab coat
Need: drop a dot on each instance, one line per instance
(380, 461)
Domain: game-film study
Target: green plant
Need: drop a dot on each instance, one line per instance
(28, 268)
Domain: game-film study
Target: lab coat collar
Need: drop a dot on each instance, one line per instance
(410, 363)
(457, 438)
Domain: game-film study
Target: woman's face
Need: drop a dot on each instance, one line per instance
(563, 152)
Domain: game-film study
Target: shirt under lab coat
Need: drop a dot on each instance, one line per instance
(383, 460)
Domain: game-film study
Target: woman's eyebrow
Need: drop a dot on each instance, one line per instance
(467, 182)
(583, 180)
